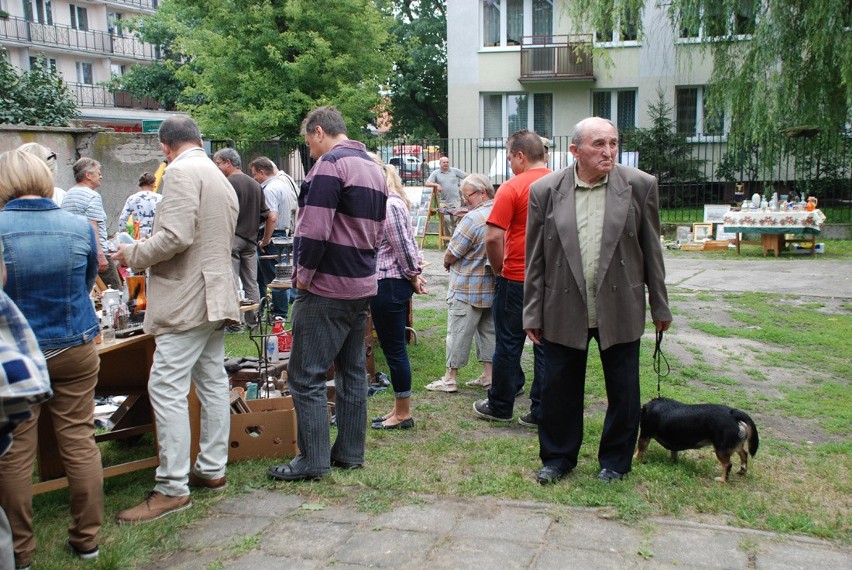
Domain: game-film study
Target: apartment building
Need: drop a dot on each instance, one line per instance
(85, 42)
(514, 64)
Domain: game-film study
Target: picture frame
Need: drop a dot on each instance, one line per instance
(700, 232)
(715, 213)
(683, 234)
(721, 234)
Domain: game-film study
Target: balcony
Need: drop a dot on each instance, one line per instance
(100, 96)
(22, 32)
(142, 5)
(556, 58)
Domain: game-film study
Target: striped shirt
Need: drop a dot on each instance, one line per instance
(471, 279)
(86, 202)
(399, 257)
(24, 380)
(340, 224)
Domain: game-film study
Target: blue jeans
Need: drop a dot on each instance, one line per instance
(390, 317)
(265, 275)
(329, 331)
(507, 377)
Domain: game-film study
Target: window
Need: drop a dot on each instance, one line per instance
(507, 22)
(626, 30)
(84, 73)
(47, 62)
(114, 23)
(38, 11)
(694, 115)
(617, 106)
(118, 70)
(79, 17)
(504, 114)
(713, 21)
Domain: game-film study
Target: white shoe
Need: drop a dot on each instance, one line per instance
(442, 385)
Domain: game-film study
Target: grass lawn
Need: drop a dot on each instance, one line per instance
(799, 482)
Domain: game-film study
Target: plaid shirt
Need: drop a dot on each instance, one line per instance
(399, 257)
(471, 279)
(23, 371)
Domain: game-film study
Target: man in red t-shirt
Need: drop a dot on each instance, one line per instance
(505, 239)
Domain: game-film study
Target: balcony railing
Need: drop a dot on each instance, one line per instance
(138, 4)
(100, 96)
(548, 58)
(65, 37)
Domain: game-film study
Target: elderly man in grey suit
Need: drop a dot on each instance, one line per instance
(192, 295)
(593, 246)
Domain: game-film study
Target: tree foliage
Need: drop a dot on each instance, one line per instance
(252, 69)
(662, 152)
(34, 97)
(795, 68)
(419, 82)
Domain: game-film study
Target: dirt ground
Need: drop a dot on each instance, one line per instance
(731, 358)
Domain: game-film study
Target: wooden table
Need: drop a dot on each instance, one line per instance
(125, 365)
(773, 226)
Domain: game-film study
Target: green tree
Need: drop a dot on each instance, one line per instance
(252, 69)
(794, 70)
(34, 97)
(419, 82)
(662, 152)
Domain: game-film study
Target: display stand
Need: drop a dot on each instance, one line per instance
(434, 210)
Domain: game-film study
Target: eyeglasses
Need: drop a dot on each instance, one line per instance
(49, 156)
(469, 194)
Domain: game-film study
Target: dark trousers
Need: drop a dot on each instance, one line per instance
(560, 428)
(389, 309)
(507, 376)
(265, 275)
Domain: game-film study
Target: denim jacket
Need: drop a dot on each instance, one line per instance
(51, 260)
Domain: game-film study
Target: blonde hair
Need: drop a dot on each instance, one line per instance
(44, 153)
(392, 180)
(24, 174)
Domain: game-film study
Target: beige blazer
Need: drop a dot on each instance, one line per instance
(189, 252)
(631, 259)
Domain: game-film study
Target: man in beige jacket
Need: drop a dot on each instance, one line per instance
(191, 296)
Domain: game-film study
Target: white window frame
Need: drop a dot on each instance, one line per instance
(704, 37)
(615, 40)
(80, 66)
(613, 104)
(699, 136)
(528, 25)
(75, 12)
(504, 109)
(50, 62)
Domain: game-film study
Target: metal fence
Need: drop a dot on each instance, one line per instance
(695, 171)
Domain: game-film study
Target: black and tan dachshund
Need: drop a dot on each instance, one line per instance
(678, 426)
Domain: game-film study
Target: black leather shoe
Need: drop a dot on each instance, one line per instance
(404, 424)
(548, 475)
(344, 465)
(287, 472)
(608, 475)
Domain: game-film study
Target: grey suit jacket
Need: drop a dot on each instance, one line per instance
(189, 253)
(631, 258)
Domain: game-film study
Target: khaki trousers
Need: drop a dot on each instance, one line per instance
(73, 376)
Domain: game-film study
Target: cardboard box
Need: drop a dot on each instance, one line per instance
(716, 245)
(269, 431)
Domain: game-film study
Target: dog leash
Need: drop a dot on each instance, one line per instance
(659, 359)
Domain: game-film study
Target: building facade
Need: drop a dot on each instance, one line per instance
(86, 43)
(516, 64)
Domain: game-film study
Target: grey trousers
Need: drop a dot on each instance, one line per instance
(325, 332)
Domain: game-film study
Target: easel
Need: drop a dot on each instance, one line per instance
(434, 205)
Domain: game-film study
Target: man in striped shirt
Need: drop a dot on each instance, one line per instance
(338, 232)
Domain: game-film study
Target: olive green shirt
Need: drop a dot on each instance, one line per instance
(590, 202)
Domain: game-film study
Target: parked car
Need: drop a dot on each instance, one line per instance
(409, 167)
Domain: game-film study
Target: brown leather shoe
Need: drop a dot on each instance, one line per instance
(209, 484)
(156, 506)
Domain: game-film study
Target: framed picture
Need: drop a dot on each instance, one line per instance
(701, 232)
(683, 234)
(721, 234)
(715, 213)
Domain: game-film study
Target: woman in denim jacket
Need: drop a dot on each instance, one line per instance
(51, 261)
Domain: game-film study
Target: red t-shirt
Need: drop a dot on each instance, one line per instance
(510, 213)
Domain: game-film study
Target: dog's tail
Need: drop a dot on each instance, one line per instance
(751, 435)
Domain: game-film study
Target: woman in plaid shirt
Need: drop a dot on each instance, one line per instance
(399, 271)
